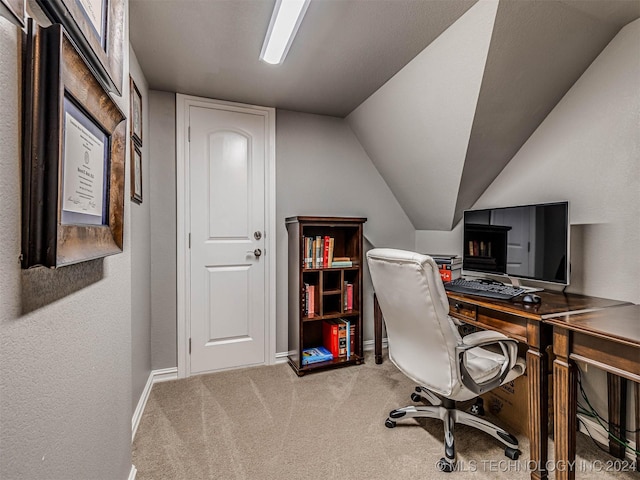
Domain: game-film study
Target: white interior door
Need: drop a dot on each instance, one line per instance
(228, 305)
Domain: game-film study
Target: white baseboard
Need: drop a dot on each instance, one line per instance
(156, 376)
(599, 434)
(368, 345)
(281, 357)
(132, 473)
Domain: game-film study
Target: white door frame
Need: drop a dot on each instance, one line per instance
(183, 103)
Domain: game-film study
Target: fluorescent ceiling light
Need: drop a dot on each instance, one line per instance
(285, 20)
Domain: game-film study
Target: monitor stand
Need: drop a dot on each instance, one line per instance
(515, 282)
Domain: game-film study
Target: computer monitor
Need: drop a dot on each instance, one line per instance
(522, 242)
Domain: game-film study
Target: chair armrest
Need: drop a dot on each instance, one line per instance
(484, 338)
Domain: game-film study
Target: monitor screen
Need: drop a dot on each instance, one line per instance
(529, 241)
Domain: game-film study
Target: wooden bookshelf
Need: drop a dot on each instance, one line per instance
(330, 290)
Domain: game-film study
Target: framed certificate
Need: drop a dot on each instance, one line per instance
(13, 10)
(97, 28)
(73, 157)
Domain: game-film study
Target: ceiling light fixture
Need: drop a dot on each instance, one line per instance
(285, 20)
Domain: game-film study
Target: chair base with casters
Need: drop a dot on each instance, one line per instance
(445, 410)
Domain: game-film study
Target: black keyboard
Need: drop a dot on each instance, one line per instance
(482, 288)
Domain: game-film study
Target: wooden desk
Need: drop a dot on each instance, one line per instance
(608, 339)
(523, 323)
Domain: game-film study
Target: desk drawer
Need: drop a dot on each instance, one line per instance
(462, 310)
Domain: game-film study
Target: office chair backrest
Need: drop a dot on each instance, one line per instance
(422, 338)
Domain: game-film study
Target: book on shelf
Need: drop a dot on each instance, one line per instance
(342, 338)
(315, 355)
(342, 259)
(331, 243)
(330, 337)
(309, 300)
(318, 252)
(325, 251)
(335, 337)
(348, 296)
(349, 341)
(342, 263)
(318, 243)
(352, 338)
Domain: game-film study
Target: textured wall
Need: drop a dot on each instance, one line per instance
(323, 170)
(141, 253)
(162, 126)
(416, 127)
(65, 336)
(587, 151)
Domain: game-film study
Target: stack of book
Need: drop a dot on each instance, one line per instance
(318, 252)
(339, 337)
(450, 266)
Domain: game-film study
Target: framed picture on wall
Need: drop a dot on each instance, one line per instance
(136, 173)
(13, 10)
(97, 28)
(135, 112)
(73, 157)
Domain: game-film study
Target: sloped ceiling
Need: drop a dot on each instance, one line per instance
(416, 127)
(538, 50)
(448, 130)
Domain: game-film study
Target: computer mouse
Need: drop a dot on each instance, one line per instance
(531, 299)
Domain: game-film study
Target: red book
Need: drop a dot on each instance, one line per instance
(445, 274)
(352, 338)
(330, 337)
(325, 252)
(349, 296)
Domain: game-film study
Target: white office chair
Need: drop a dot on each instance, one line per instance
(425, 345)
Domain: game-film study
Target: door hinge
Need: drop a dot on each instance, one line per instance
(189, 239)
(189, 346)
(189, 133)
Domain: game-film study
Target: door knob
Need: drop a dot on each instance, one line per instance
(257, 252)
(257, 235)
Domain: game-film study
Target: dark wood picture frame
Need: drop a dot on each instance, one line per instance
(104, 53)
(135, 112)
(136, 172)
(13, 10)
(56, 76)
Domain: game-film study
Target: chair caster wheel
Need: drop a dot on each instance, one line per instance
(477, 408)
(415, 397)
(389, 423)
(444, 465)
(512, 453)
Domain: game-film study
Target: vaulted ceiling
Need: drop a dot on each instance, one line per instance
(441, 94)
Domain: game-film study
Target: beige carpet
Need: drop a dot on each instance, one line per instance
(266, 423)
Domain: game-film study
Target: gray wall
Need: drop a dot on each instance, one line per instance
(140, 253)
(587, 151)
(323, 170)
(162, 195)
(65, 335)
